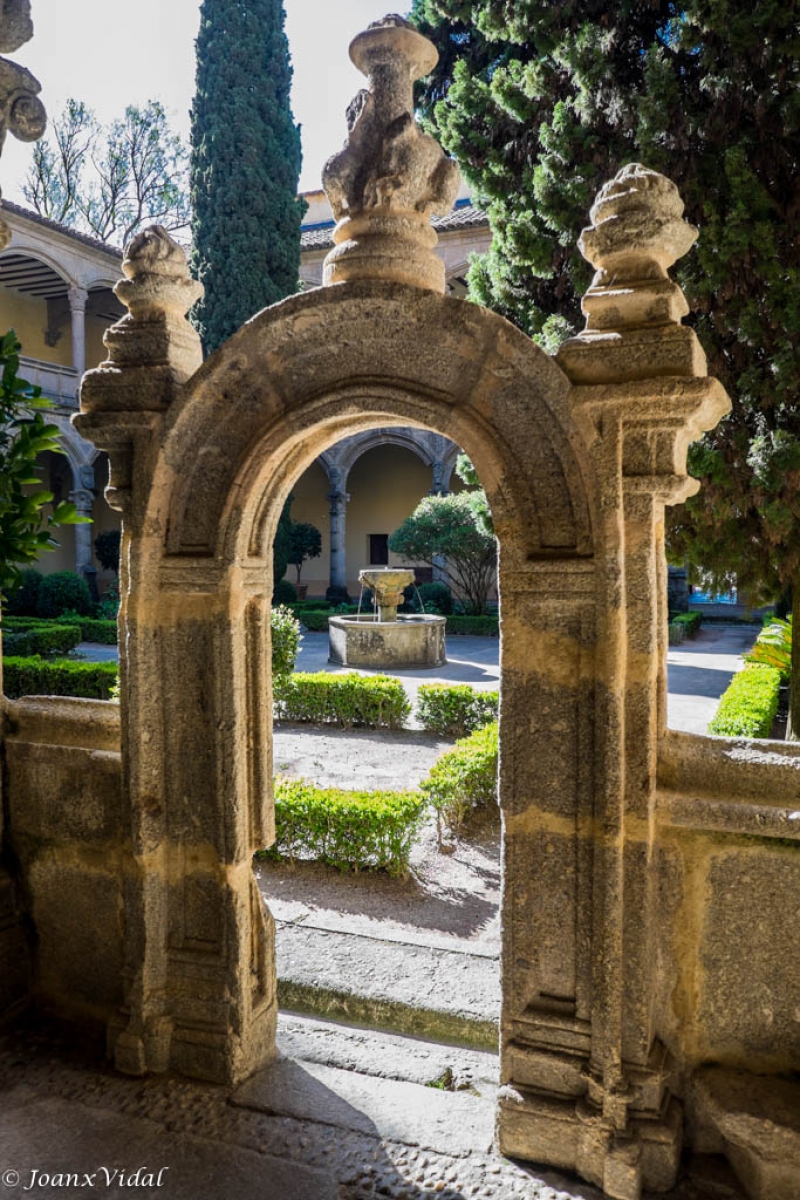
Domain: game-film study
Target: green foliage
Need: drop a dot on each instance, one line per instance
(774, 647)
(40, 638)
(469, 476)
(691, 622)
(245, 166)
(351, 831)
(62, 591)
(315, 620)
(36, 677)
(469, 626)
(436, 598)
(465, 778)
(455, 710)
(449, 527)
(284, 592)
(348, 699)
(110, 182)
(96, 629)
(106, 547)
(748, 707)
(542, 104)
(25, 528)
(305, 541)
(286, 638)
(22, 599)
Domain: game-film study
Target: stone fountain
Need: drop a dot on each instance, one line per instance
(384, 639)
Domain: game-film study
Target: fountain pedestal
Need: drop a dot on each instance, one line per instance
(391, 641)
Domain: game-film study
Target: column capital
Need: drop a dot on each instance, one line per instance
(78, 297)
(83, 500)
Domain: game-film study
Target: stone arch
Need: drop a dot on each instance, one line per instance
(19, 250)
(354, 448)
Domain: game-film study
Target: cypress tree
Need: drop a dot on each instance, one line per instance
(541, 104)
(245, 166)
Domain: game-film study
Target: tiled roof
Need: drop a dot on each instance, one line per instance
(465, 216)
(37, 219)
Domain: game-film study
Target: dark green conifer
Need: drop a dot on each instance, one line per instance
(245, 166)
(541, 104)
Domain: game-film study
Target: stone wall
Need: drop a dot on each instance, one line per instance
(68, 833)
(729, 902)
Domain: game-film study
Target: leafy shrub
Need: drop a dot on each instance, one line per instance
(348, 699)
(436, 597)
(21, 600)
(337, 595)
(691, 621)
(36, 677)
(315, 621)
(106, 547)
(748, 707)
(286, 638)
(773, 647)
(464, 778)
(284, 593)
(107, 607)
(94, 629)
(315, 605)
(348, 830)
(454, 710)
(484, 626)
(41, 638)
(61, 591)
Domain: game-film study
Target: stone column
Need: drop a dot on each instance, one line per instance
(77, 311)
(338, 499)
(83, 499)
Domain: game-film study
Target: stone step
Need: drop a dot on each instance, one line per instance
(456, 1123)
(448, 995)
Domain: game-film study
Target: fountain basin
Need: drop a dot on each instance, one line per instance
(408, 641)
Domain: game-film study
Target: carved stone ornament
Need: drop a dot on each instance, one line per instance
(633, 309)
(158, 279)
(390, 177)
(21, 111)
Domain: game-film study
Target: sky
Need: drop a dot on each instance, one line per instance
(111, 53)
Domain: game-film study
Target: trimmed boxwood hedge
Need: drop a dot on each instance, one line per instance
(464, 778)
(485, 626)
(348, 699)
(42, 638)
(91, 629)
(351, 831)
(454, 710)
(691, 621)
(36, 676)
(749, 706)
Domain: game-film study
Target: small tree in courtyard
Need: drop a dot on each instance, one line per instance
(448, 528)
(305, 541)
(26, 529)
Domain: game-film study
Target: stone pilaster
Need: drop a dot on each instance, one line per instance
(84, 503)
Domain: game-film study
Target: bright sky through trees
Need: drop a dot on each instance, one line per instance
(131, 51)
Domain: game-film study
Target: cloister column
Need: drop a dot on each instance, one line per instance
(77, 312)
(338, 499)
(84, 502)
(439, 488)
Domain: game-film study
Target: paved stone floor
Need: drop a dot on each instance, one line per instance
(368, 1127)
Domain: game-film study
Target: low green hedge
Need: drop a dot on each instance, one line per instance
(95, 630)
(36, 676)
(485, 626)
(464, 778)
(351, 831)
(314, 619)
(454, 710)
(748, 707)
(42, 637)
(321, 698)
(691, 622)
(91, 629)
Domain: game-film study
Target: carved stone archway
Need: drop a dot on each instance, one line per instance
(578, 457)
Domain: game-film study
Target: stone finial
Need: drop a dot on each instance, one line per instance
(390, 177)
(633, 309)
(158, 280)
(153, 350)
(21, 111)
